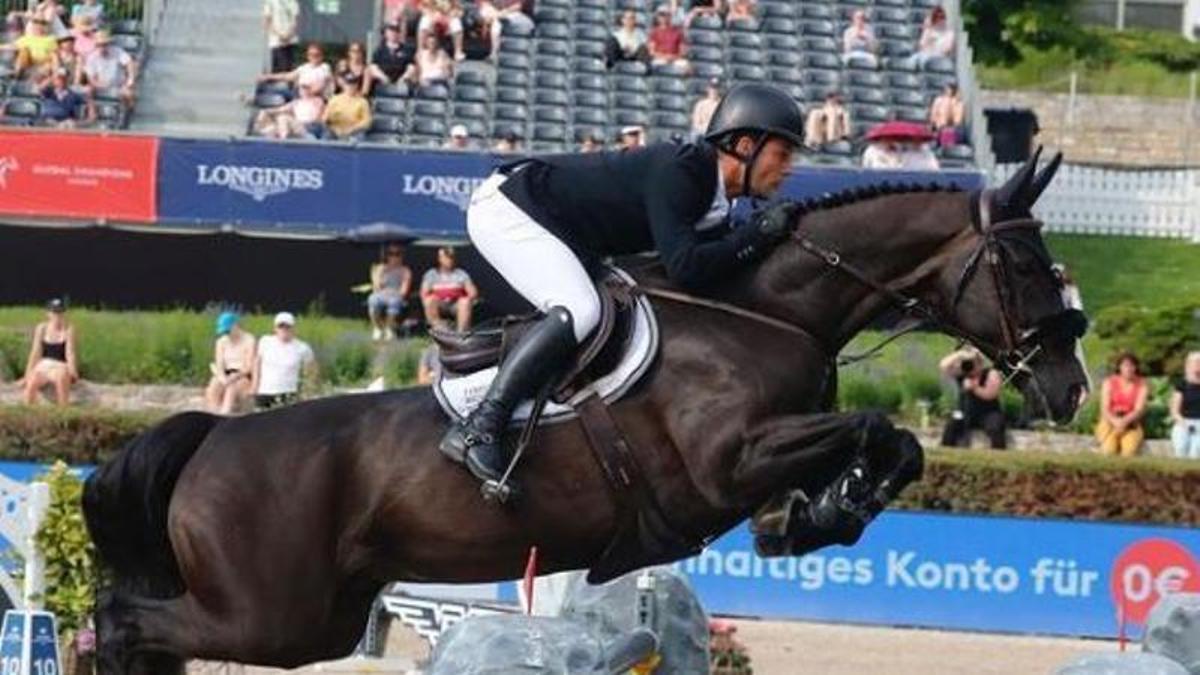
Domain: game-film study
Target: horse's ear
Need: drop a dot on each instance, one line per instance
(1043, 178)
(1009, 199)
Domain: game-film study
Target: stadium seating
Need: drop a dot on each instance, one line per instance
(551, 86)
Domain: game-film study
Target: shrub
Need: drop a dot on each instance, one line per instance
(71, 571)
(1159, 337)
(75, 435)
(858, 393)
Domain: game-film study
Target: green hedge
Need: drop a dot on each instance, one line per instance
(1083, 486)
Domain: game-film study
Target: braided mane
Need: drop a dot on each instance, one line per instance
(832, 200)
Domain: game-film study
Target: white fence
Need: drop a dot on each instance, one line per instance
(1091, 200)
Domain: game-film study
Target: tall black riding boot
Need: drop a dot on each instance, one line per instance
(538, 357)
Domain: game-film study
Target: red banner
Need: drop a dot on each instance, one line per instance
(78, 176)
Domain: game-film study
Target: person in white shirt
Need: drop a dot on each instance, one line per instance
(280, 362)
(314, 73)
(282, 19)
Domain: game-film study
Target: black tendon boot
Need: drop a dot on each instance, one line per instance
(538, 356)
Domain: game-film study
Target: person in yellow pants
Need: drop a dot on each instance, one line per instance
(1122, 405)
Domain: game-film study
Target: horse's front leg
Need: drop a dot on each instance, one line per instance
(842, 470)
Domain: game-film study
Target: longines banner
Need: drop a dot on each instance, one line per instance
(78, 176)
(301, 188)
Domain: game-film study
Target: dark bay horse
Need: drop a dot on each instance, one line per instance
(263, 539)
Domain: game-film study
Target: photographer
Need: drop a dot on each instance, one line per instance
(978, 400)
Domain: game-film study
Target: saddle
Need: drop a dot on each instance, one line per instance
(467, 353)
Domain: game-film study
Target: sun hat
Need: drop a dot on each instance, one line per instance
(285, 319)
(225, 322)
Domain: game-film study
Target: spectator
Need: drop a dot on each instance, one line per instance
(740, 10)
(391, 282)
(978, 401)
(354, 70)
(36, 51)
(61, 105)
(899, 145)
(592, 142)
(393, 58)
(496, 13)
(946, 116)
(232, 367)
(460, 138)
(13, 30)
(282, 21)
(632, 137)
(110, 67)
(53, 14)
(84, 31)
(829, 123)
(703, 111)
(477, 37)
(666, 40)
(434, 65)
(1122, 405)
(937, 39)
(314, 73)
(704, 8)
(858, 42)
(88, 9)
(299, 118)
(347, 115)
(442, 19)
(429, 367)
(447, 290)
(404, 13)
(68, 59)
(280, 362)
(509, 143)
(52, 356)
(1185, 410)
(627, 42)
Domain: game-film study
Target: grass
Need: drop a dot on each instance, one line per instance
(1119, 270)
(1050, 71)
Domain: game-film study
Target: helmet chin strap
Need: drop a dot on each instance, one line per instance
(748, 162)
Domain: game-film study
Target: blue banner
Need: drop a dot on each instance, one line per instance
(960, 572)
(299, 188)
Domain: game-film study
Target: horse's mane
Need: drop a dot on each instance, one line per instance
(862, 193)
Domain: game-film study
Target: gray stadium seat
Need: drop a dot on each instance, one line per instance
(269, 100)
(430, 108)
(816, 11)
(555, 115)
(550, 97)
(704, 38)
(396, 90)
(745, 41)
(820, 44)
(904, 81)
(742, 25)
(796, 91)
(502, 129)
(511, 113)
(886, 15)
(513, 29)
(783, 42)
(512, 78)
(433, 91)
(822, 61)
(783, 10)
(470, 92)
(631, 101)
(591, 99)
(779, 25)
(939, 64)
(746, 56)
(630, 68)
(132, 44)
(841, 147)
(963, 152)
(126, 27)
(591, 33)
(895, 48)
(593, 4)
(560, 48)
(547, 80)
(512, 95)
(510, 61)
(912, 113)
(383, 138)
(551, 64)
(549, 16)
(626, 118)
(584, 64)
(590, 49)
(907, 97)
(861, 62)
(470, 111)
(387, 124)
(429, 127)
(670, 119)
(783, 75)
(554, 133)
(630, 83)
(895, 31)
(515, 45)
(22, 108)
(586, 17)
(389, 106)
(675, 102)
(867, 78)
(582, 132)
(706, 22)
(883, 4)
(24, 89)
(590, 82)
(705, 54)
(470, 77)
(938, 82)
(871, 96)
(595, 117)
(668, 85)
(899, 64)
(673, 69)
(708, 70)
(818, 27)
(869, 113)
(748, 73)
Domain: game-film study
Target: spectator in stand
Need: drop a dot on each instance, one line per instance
(460, 138)
(281, 361)
(90, 9)
(442, 19)
(347, 115)
(496, 13)
(632, 137)
(354, 69)
(299, 118)
(477, 37)
(52, 357)
(829, 123)
(858, 41)
(393, 58)
(84, 32)
(54, 14)
(429, 367)
(1122, 405)
(627, 42)
(313, 74)
(282, 21)
(1185, 410)
(61, 105)
(946, 115)
(937, 39)
(36, 51)
(978, 400)
(704, 7)
(434, 65)
(68, 59)
(447, 291)
(593, 141)
(703, 111)
(899, 145)
(13, 30)
(740, 10)
(509, 143)
(391, 282)
(232, 367)
(110, 67)
(666, 40)
(404, 13)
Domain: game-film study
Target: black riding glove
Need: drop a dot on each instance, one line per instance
(767, 228)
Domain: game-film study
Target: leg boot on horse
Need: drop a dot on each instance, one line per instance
(539, 355)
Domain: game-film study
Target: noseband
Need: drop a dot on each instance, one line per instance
(1020, 344)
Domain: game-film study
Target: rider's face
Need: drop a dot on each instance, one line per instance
(773, 165)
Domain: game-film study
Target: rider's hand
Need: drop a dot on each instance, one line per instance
(774, 223)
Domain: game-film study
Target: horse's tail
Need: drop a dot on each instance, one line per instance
(125, 505)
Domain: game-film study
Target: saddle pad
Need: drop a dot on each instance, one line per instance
(458, 395)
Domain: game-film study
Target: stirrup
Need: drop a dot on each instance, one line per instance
(504, 490)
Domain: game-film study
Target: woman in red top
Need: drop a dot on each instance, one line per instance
(666, 40)
(1122, 405)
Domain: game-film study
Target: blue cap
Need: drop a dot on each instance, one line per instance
(225, 322)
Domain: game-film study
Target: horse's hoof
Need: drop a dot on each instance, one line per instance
(771, 546)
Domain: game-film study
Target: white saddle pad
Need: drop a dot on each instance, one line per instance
(458, 395)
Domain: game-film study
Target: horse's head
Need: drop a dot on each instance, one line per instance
(1007, 296)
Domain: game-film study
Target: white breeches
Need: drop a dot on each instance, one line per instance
(536, 263)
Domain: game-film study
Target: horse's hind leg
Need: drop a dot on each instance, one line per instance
(144, 636)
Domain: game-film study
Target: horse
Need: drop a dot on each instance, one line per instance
(264, 539)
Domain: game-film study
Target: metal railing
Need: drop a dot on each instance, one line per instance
(968, 87)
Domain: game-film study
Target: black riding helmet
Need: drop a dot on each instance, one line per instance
(759, 111)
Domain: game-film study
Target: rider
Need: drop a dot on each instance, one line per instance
(543, 222)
